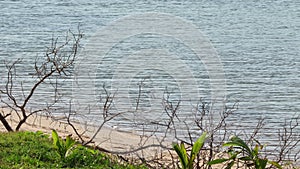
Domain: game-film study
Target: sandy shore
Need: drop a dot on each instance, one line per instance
(119, 142)
(112, 140)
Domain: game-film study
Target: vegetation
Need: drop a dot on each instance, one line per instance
(63, 148)
(35, 150)
(240, 152)
(187, 161)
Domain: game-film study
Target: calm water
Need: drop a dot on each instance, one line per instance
(258, 43)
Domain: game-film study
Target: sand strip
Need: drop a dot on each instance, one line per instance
(107, 138)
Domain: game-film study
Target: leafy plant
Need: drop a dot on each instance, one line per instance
(187, 161)
(240, 151)
(63, 147)
(35, 150)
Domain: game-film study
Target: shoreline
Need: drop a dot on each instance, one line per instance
(108, 139)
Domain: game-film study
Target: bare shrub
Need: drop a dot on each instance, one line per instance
(55, 64)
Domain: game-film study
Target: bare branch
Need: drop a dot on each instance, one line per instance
(56, 62)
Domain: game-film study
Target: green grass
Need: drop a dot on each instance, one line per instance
(36, 150)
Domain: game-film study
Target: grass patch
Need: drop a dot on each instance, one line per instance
(36, 150)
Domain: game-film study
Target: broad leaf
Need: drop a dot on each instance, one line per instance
(199, 144)
(229, 165)
(246, 158)
(261, 163)
(181, 152)
(237, 142)
(55, 138)
(275, 164)
(69, 142)
(217, 161)
(196, 148)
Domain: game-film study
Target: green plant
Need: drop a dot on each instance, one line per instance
(83, 156)
(63, 147)
(187, 161)
(35, 150)
(240, 151)
(20, 149)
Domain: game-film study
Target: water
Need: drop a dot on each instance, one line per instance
(256, 41)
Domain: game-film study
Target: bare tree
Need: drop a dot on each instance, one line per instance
(289, 141)
(56, 63)
(163, 155)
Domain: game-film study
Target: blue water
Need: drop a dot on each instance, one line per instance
(258, 43)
